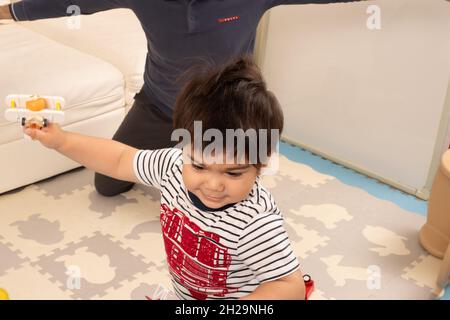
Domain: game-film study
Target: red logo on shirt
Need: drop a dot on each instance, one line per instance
(195, 257)
(229, 19)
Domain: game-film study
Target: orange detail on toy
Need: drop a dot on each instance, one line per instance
(33, 126)
(36, 104)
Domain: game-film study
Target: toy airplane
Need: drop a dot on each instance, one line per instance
(34, 111)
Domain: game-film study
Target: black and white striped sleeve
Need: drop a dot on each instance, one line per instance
(265, 248)
(151, 166)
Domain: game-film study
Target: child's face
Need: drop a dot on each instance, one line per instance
(217, 185)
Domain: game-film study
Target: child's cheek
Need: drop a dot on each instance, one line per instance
(189, 178)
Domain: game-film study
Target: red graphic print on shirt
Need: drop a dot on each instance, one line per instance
(195, 257)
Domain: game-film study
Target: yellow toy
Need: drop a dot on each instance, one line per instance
(3, 295)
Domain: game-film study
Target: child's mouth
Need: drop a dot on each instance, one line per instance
(213, 199)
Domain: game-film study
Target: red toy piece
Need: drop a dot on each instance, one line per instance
(309, 285)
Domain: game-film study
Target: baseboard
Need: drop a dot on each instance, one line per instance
(421, 194)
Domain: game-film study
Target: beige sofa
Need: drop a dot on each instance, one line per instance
(97, 68)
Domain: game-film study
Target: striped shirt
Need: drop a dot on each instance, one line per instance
(215, 254)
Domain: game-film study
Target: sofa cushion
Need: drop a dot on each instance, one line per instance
(33, 64)
(115, 36)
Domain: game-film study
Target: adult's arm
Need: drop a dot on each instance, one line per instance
(43, 9)
(5, 13)
(273, 3)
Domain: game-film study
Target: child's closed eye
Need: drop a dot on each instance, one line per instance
(234, 174)
(197, 167)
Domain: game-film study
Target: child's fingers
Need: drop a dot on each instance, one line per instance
(39, 134)
(35, 134)
(29, 132)
(52, 126)
(49, 128)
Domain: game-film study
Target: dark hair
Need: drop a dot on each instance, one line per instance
(233, 96)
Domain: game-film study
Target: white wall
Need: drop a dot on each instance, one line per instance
(369, 98)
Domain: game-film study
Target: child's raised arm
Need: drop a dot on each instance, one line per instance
(105, 156)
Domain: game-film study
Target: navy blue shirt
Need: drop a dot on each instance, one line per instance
(180, 33)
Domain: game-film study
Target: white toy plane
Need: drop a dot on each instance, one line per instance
(34, 111)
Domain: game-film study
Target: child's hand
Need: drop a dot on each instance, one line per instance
(51, 136)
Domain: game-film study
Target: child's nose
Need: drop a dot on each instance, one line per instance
(215, 184)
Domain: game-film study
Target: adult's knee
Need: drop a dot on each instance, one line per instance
(110, 187)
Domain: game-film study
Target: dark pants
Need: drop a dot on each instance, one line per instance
(144, 127)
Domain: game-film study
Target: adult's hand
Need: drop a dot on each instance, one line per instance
(5, 14)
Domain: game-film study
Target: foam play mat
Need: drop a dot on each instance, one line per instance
(59, 239)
